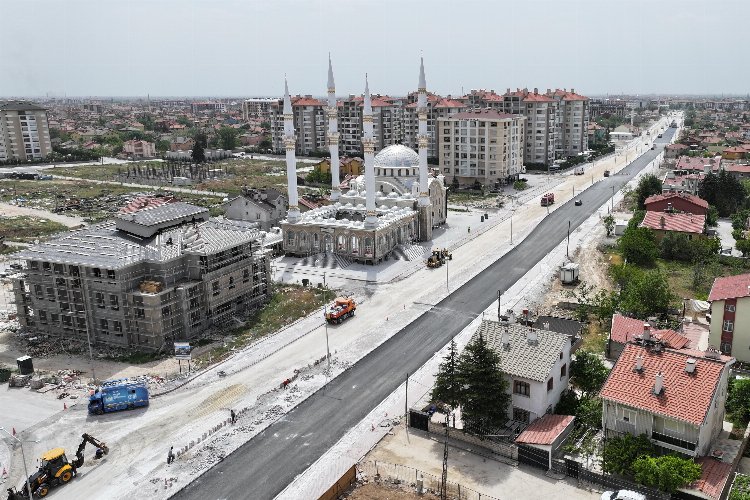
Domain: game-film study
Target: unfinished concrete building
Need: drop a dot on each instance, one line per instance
(144, 280)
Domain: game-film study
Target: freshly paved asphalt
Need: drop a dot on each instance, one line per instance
(266, 464)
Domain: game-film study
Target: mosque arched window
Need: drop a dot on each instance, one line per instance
(290, 238)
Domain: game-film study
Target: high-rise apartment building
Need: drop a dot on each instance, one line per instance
(541, 123)
(572, 122)
(437, 108)
(24, 131)
(481, 145)
(310, 122)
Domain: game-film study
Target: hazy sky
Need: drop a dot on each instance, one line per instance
(244, 47)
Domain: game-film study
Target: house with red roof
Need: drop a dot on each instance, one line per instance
(661, 223)
(625, 329)
(730, 316)
(676, 398)
(542, 438)
(672, 151)
(676, 202)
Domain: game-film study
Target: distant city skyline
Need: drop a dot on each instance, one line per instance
(233, 48)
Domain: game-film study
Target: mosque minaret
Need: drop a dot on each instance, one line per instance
(290, 143)
(333, 134)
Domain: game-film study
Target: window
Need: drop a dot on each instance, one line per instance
(672, 425)
(59, 269)
(550, 384)
(99, 300)
(110, 274)
(39, 291)
(729, 308)
(520, 415)
(104, 324)
(728, 326)
(117, 326)
(114, 302)
(97, 272)
(726, 348)
(46, 266)
(521, 388)
(43, 316)
(50, 294)
(215, 288)
(628, 416)
(231, 282)
(563, 370)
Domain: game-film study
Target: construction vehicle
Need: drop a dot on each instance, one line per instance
(55, 469)
(548, 199)
(117, 395)
(438, 257)
(340, 309)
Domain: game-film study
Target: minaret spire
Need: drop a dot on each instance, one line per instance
(368, 144)
(422, 137)
(333, 133)
(290, 144)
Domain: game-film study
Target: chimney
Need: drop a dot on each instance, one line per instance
(505, 339)
(658, 383)
(572, 90)
(536, 90)
(639, 363)
(549, 91)
(646, 331)
(531, 336)
(507, 91)
(690, 365)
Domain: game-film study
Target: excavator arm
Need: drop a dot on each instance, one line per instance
(86, 438)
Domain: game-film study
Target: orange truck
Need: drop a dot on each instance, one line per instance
(548, 199)
(340, 309)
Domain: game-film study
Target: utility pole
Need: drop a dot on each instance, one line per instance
(444, 481)
(499, 309)
(406, 402)
(567, 247)
(613, 199)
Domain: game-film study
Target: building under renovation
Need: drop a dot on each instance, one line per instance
(144, 280)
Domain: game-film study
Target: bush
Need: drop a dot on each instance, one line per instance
(638, 245)
(622, 451)
(588, 372)
(668, 473)
(519, 185)
(646, 294)
(738, 401)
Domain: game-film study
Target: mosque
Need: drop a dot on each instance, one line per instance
(396, 202)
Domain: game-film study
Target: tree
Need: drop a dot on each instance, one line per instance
(621, 451)
(589, 412)
(668, 472)
(638, 245)
(447, 385)
(646, 294)
(609, 224)
(162, 145)
(647, 186)
(587, 372)
(199, 146)
(738, 400)
(484, 397)
(712, 217)
(723, 191)
(743, 246)
(227, 138)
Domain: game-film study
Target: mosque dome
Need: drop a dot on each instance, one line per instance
(397, 156)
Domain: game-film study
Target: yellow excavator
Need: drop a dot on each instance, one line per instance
(55, 469)
(439, 257)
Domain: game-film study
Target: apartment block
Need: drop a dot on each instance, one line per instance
(437, 108)
(257, 107)
(541, 123)
(200, 107)
(310, 122)
(572, 123)
(481, 145)
(143, 280)
(24, 131)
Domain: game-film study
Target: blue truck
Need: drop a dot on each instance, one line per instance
(117, 395)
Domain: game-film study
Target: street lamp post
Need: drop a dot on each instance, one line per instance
(567, 246)
(613, 199)
(447, 287)
(23, 457)
(511, 227)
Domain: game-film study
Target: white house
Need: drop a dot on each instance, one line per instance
(676, 398)
(536, 364)
(267, 207)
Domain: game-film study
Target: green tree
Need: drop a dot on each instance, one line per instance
(638, 245)
(588, 372)
(590, 412)
(519, 185)
(162, 145)
(609, 224)
(198, 153)
(739, 219)
(646, 294)
(447, 385)
(568, 403)
(647, 186)
(484, 397)
(668, 473)
(738, 401)
(740, 488)
(712, 217)
(723, 191)
(227, 138)
(743, 246)
(621, 451)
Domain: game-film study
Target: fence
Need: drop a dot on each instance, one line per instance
(575, 469)
(410, 476)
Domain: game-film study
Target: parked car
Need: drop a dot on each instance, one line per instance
(579, 202)
(623, 495)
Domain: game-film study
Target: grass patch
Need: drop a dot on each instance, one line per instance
(93, 202)
(594, 338)
(138, 358)
(27, 229)
(8, 249)
(288, 304)
(101, 172)
(468, 196)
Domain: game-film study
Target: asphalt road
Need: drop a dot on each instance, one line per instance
(266, 464)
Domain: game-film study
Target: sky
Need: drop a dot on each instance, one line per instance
(246, 47)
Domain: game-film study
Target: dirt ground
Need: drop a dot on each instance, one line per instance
(385, 491)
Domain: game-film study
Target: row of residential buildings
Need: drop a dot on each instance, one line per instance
(24, 131)
(555, 123)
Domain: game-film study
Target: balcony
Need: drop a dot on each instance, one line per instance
(674, 440)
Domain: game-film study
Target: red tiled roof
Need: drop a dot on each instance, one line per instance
(740, 169)
(677, 146)
(307, 203)
(307, 101)
(569, 96)
(537, 98)
(449, 103)
(143, 202)
(671, 338)
(685, 396)
(730, 287)
(668, 196)
(545, 430)
(693, 163)
(490, 114)
(625, 329)
(714, 476)
(679, 222)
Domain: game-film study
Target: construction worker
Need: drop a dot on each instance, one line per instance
(232, 416)
(170, 455)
